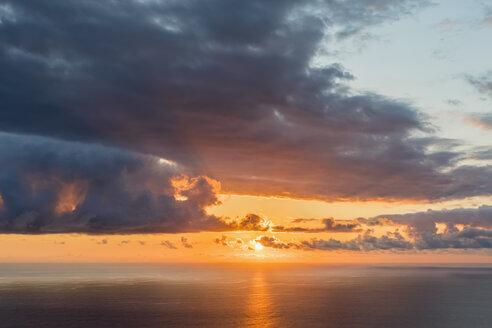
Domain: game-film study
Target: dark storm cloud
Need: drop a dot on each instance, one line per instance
(50, 186)
(227, 89)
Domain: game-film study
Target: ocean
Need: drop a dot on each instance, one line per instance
(226, 295)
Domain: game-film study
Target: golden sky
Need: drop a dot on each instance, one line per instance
(202, 246)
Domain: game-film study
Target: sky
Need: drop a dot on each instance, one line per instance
(246, 131)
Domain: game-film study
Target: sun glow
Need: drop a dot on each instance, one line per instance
(258, 246)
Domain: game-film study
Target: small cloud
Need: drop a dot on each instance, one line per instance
(103, 242)
(142, 243)
(168, 244)
(224, 241)
(454, 102)
(185, 242)
(123, 242)
(482, 83)
(303, 220)
(482, 121)
(274, 242)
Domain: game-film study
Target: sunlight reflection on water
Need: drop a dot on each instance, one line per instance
(259, 306)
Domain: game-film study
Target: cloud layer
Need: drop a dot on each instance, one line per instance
(430, 230)
(228, 90)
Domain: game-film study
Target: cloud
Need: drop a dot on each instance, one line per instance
(329, 225)
(454, 102)
(302, 220)
(251, 222)
(234, 243)
(52, 186)
(168, 244)
(482, 121)
(185, 243)
(226, 90)
(482, 83)
(482, 153)
(422, 222)
(361, 243)
(274, 242)
(463, 228)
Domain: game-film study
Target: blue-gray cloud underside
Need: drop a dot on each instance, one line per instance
(50, 186)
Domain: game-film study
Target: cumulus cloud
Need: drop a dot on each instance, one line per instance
(51, 186)
(251, 222)
(228, 90)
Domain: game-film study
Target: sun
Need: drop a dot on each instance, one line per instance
(258, 246)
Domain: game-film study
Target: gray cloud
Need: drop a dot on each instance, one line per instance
(464, 228)
(362, 243)
(50, 186)
(226, 89)
(482, 83)
(482, 153)
(423, 222)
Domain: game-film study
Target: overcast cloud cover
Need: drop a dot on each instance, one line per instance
(226, 90)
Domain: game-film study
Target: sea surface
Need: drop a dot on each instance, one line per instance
(164, 295)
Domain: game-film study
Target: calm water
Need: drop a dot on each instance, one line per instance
(244, 296)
